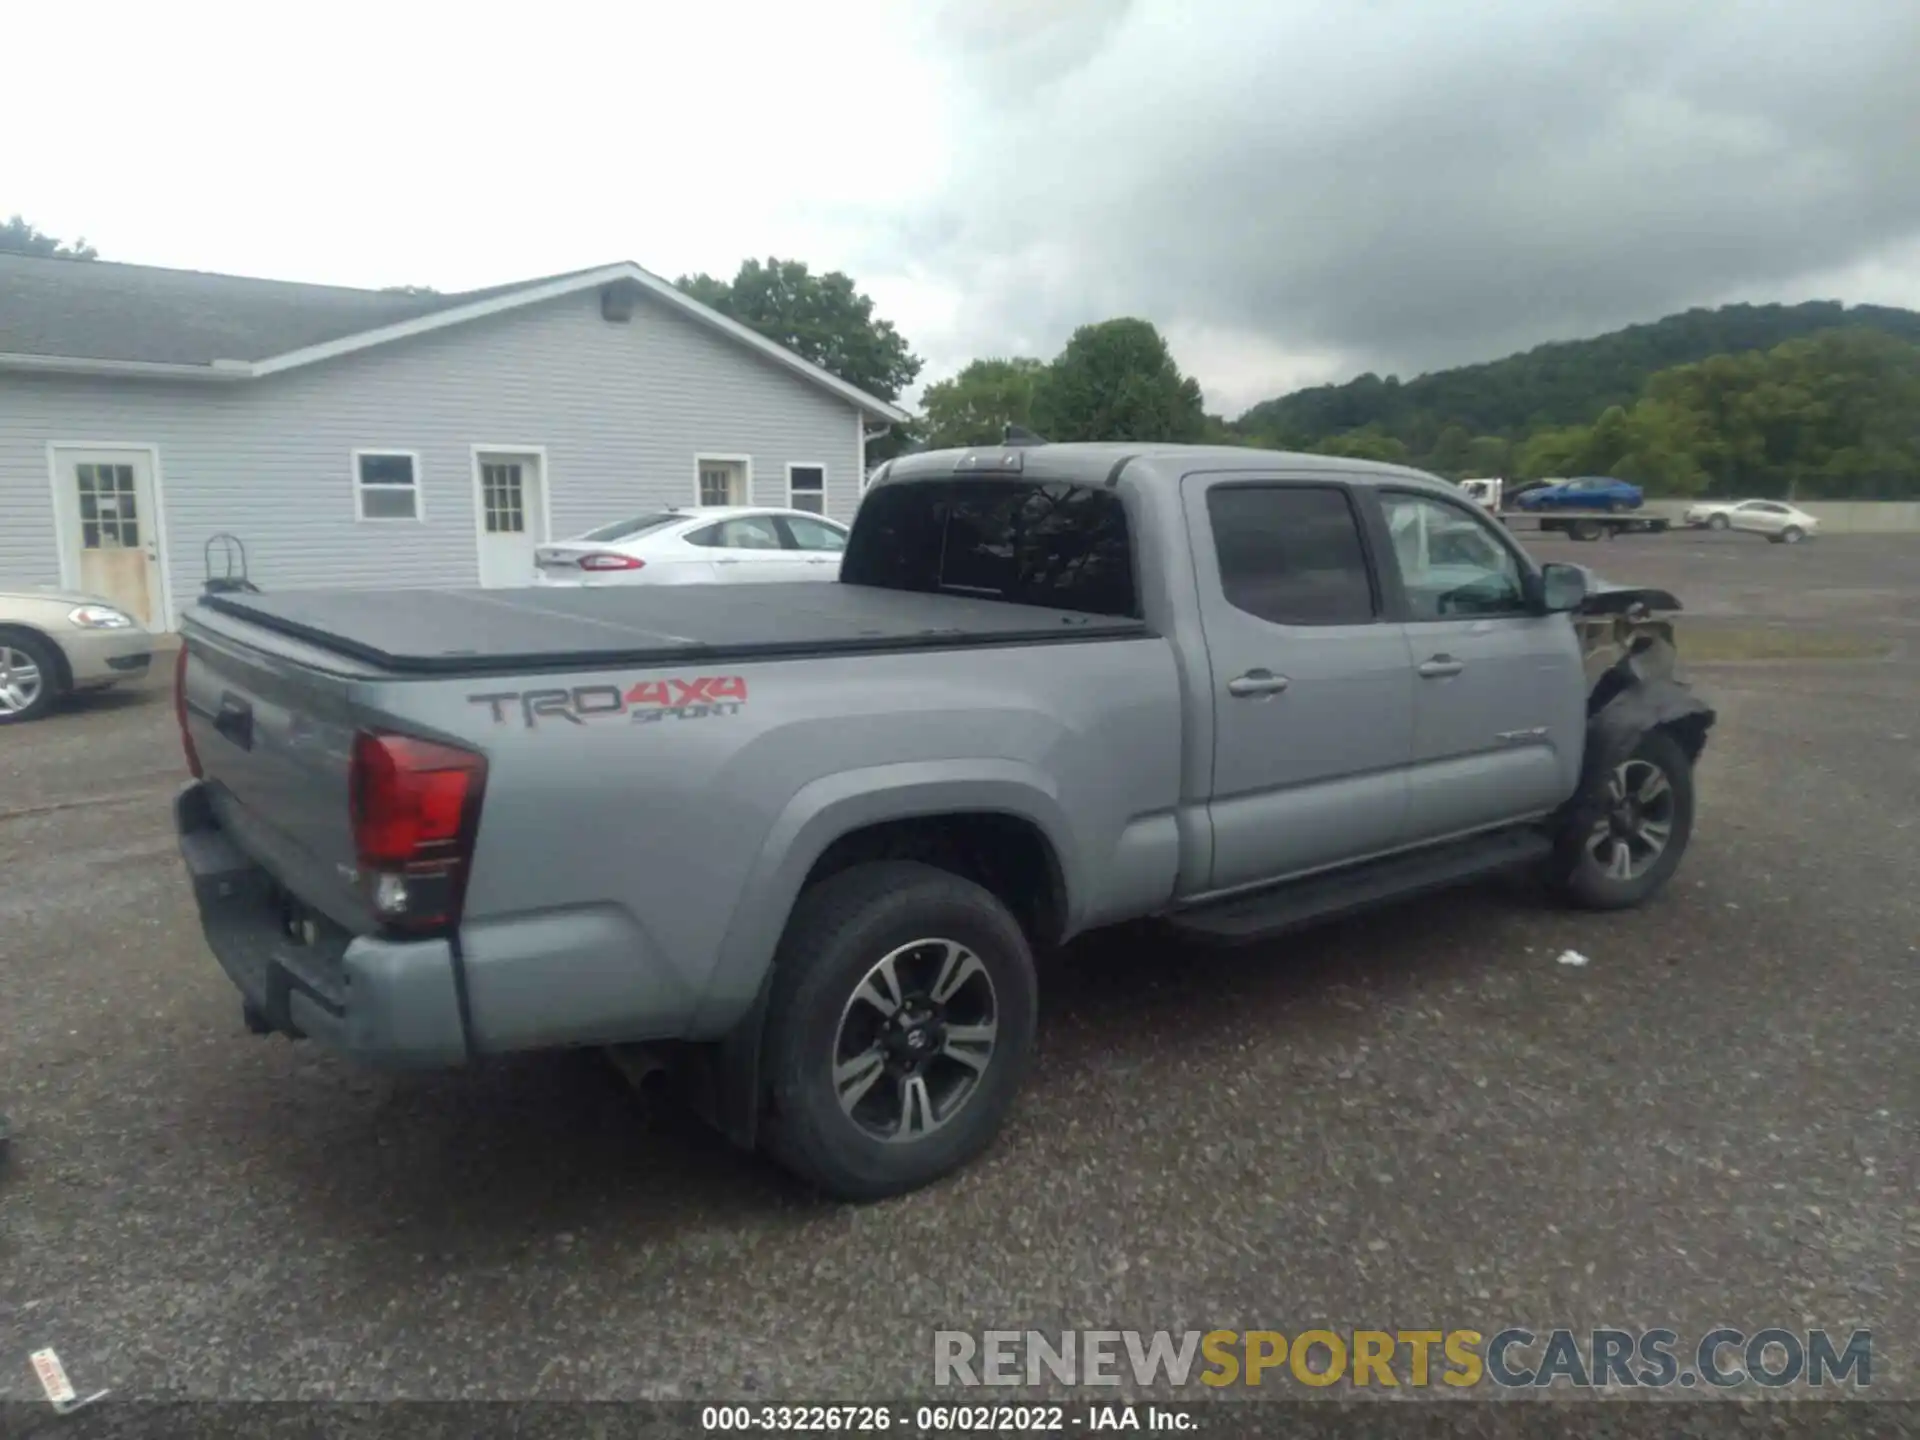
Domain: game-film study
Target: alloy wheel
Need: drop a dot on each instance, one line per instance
(20, 680)
(915, 1040)
(1630, 838)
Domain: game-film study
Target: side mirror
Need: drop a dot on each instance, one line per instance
(1561, 587)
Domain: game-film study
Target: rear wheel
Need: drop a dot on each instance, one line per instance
(1587, 530)
(1625, 856)
(900, 1028)
(29, 677)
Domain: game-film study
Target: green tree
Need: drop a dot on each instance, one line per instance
(821, 318)
(976, 406)
(1570, 383)
(17, 237)
(1451, 452)
(1365, 444)
(1215, 430)
(1830, 414)
(1489, 455)
(1117, 381)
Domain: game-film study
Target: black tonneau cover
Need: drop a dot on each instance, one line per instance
(461, 632)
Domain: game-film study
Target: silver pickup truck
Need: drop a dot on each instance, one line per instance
(804, 840)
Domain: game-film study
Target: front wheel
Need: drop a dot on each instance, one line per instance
(1625, 856)
(1792, 535)
(29, 678)
(900, 1028)
(1718, 522)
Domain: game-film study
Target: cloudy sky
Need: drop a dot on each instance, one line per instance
(1294, 190)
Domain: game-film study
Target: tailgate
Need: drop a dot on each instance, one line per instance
(274, 733)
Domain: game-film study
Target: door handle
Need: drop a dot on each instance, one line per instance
(1257, 682)
(1441, 666)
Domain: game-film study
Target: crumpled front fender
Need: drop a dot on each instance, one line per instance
(1636, 694)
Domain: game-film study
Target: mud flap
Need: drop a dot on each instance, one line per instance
(721, 1080)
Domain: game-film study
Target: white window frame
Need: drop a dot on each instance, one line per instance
(820, 465)
(418, 487)
(745, 462)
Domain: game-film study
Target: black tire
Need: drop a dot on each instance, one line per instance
(46, 661)
(1578, 873)
(1614, 507)
(1792, 535)
(1587, 530)
(1718, 522)
(840, 930)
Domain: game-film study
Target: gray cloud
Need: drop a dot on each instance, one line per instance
(1404, 184)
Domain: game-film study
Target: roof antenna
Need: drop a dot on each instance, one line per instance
(1020, 435)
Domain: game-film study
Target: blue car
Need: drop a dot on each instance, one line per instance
(1588, 492)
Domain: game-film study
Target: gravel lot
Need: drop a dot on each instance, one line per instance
(1417, 1119)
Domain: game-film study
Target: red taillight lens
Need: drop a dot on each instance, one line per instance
(409, 797)
(608, 561)
(414, 803)
(180, 710)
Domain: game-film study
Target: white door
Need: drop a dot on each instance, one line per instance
(512, 518)
(107, 524)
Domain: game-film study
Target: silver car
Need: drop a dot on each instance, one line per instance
(1778, 521)
(54, 642)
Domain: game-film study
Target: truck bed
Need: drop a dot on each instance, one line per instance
(468, 632)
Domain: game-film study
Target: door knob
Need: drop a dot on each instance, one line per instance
(1441, 666)
(1257, 682)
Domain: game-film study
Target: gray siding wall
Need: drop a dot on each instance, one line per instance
(622, 410)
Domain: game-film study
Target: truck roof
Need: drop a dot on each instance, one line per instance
(1091, 463)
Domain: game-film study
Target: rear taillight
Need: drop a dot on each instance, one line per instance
(180, 710)
(608, 561)
(415, 804)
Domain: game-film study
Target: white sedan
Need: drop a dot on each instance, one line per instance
(1775, 519)
(733, 544)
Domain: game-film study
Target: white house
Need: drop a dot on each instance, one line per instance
(358, 437)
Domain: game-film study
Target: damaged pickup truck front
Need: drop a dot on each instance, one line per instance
(806, 839)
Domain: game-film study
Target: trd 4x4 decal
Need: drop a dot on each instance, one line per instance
(644, 703)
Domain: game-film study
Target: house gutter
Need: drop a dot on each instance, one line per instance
(220, 370)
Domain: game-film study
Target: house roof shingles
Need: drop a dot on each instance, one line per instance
(83, 314)
(99, 310)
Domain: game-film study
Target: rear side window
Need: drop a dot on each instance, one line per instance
(748, 532)
(1291, 554)
(1058, 545)
(813, 534)
(627, 529)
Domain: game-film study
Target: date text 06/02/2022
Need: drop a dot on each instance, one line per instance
(944, 1419)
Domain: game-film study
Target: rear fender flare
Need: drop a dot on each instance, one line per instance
(733, 1009)
(836, 805)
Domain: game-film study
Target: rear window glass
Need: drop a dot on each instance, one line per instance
(1062, 546)
(1291, 554)
(627, 529)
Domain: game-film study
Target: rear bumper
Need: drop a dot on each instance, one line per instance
(387, 1003)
